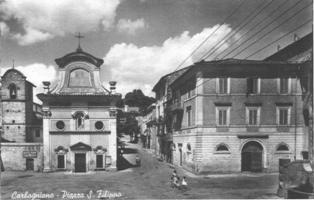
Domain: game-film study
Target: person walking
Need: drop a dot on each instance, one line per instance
(184, 184)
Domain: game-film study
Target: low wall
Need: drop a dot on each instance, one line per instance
(15, 155)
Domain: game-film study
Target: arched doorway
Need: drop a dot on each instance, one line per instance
(252, 157)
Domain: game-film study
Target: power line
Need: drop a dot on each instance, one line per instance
(256, 25)
(272, 29)
(232, 13)
(310, 20)
(221, 42)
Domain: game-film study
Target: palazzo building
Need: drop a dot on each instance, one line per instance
(237, 115)
(79, 125)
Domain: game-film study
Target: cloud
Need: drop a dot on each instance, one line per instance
(4, 29)
(141, 67)
(130, 27)
(45, 19)
(36, 73)
(31, 36)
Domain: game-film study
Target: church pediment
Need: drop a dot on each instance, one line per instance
(78, 55)
(80, 146)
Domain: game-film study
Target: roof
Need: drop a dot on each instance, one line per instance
(95, 97)
(78, 55)
(293, 49)
(13, 70)
(240, 68)
(163, 79)
(18, 72)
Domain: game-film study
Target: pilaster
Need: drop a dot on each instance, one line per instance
(46, 140)
(112, 151)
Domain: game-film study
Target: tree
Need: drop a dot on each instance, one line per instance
(136, 98)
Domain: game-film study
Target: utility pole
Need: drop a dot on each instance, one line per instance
(310, 107)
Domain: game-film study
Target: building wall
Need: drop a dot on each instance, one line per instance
(68, 140)
(206, 136)
(207, 159)
(12, 155)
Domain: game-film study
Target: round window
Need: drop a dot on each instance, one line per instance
(60, 125)
(99, 125)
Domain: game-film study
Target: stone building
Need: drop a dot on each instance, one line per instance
(237, 115)
(21, 136)
(79, 125)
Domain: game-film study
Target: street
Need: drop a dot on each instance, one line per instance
(151, 180)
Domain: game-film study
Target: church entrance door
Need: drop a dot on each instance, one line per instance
(80, 162)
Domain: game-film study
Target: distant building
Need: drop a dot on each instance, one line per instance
(80, 122)
(21, 135)
(131, 109)
(163, 130)
(148, 129)
(237, 115)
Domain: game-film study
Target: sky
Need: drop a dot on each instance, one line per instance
(142, 40)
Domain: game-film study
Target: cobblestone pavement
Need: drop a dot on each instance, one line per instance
(150, 181)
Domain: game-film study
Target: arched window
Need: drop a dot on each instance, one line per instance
(282, 147)
(13, 91)
(222, 147)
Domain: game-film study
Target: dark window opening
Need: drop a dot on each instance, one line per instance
(188, 146)
(222, 147)
(37, 133)
(252, 85)
(282, 147)
(188, 112)
(284, 87)
(13, 91)
(60, 125)
(99, 125)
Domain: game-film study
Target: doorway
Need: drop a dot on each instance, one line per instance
(30, 164)
(80, 162)
(252, 157)
(180, 150)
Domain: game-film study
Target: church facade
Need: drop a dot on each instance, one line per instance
(79, 125)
